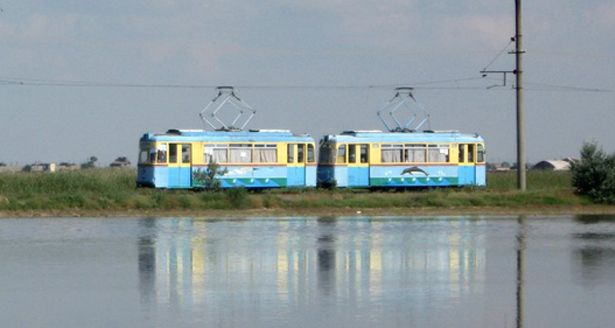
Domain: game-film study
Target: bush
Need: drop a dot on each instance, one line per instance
(594, 174)
(238, 197)
(207, 178)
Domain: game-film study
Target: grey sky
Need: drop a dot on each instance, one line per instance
(290, 43)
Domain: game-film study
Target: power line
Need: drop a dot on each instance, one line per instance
(556, 87)
(97, 84)
(460, 84)
(421, 85)
(499, 53)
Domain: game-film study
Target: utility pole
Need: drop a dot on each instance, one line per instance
(521, 176)
(518, 71)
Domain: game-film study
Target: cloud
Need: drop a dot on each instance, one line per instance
(41, 28)
(369, 22)
(603, 15)
(403, 25)
(489, 30)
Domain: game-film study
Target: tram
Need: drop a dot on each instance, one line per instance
(251, 159)
(376, 159)
(229, 156)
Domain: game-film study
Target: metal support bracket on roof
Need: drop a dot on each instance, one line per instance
(226, 95)
(403, 100)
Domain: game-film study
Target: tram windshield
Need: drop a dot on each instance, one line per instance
(150, 153)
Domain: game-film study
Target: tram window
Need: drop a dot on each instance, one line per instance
(462, 149)
(300, 153)
(392, 153)
(265, 153)
(480, 153)
(415, 153)
(208, 153)
(291, 153)
(470, 153)
(185, 153)
(172, 153)
(327, 154)
(161, 153)
(437, 153)
(352, 156)
(220, 154)
(363, 153)
(341, 154)
(143, 158)
(310, 153)
(240, 153)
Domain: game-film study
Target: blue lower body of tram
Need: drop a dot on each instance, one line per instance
(251, 177)
(401, 176)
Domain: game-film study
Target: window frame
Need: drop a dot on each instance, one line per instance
(363, 153)
(480, 153)
(341, 157)
(173, 153)
(290, 153)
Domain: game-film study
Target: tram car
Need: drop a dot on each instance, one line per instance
(182, 159)
(376, 159)
(229, 156)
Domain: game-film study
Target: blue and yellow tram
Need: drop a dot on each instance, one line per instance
(372, 159)
(250, 159)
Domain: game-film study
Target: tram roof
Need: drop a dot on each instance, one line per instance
(227, 136)
(414, 136)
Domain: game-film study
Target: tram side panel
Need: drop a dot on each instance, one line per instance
(235, 176)
(310, 175)
(414, 176)
(481, 175)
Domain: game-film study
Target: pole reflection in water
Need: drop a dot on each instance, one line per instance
(223, 268)
(520, 269)
(326, 255)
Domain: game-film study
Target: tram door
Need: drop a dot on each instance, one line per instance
(180, 165)
(358, 165)
(296, 165)
(466, 168)
(471, 162)
(301, 159)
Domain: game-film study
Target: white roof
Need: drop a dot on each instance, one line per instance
(553, 164)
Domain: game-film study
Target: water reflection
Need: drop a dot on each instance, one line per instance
(147, 261)
(521, 235)
(595, 218)
(309, 272)
(595, 248)
(190, 261)
(326, 255)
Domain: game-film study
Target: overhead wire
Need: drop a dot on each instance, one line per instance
(94, 84)
(556, 87)
(499, 53)
(445, 84)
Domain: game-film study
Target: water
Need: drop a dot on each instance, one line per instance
(308, 272)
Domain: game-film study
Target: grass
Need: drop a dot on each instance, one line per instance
(114, 190)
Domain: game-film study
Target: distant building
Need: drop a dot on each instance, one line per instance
(40, 167)
(8, 168)
(120, 162)
(498, 167)
(553, 165)
(65, 166)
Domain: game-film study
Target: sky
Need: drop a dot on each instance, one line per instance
(313, 66)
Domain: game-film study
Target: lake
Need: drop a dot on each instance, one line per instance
(308, 272)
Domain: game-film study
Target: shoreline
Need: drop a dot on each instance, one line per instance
(358, 212)
(111, 193)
